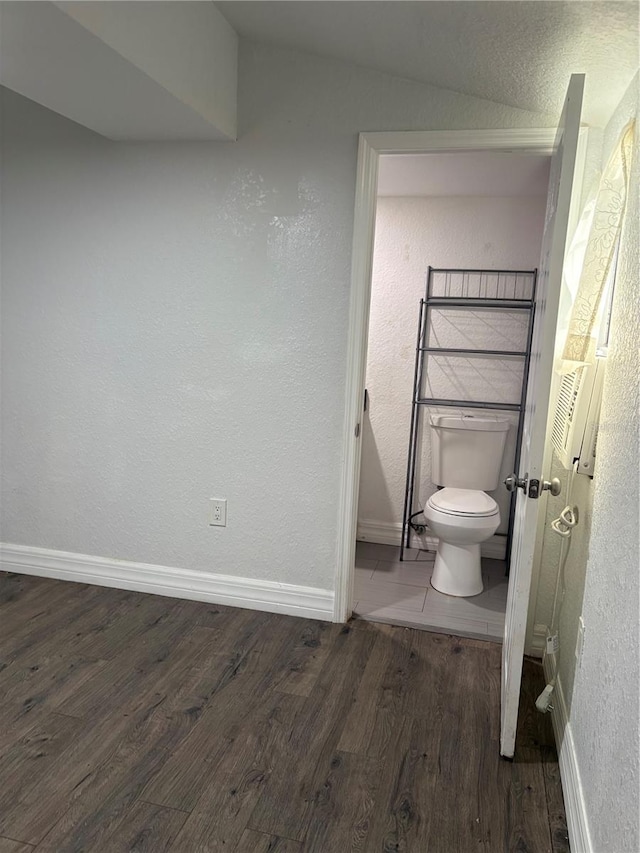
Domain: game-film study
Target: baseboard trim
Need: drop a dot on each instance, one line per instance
(538, 641)
(387, 533)
(249, 593)
(574, 803)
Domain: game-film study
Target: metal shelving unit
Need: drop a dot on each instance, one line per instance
(495, 290)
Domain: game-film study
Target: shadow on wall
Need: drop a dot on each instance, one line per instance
(373, 481)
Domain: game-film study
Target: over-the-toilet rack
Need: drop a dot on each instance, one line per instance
(499, 290)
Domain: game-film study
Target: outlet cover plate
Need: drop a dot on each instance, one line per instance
(217, 512)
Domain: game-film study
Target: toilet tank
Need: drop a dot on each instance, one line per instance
(466, 452)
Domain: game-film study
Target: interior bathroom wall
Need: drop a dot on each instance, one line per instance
(174, 321)
(601, 578)
(412, 234)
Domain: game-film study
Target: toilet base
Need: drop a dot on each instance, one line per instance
(457, 570)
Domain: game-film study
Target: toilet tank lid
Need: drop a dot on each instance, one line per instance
(469, 422)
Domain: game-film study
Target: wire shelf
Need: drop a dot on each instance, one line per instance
(468, 289)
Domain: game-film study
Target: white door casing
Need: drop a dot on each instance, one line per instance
(371, 146)
(537, 406)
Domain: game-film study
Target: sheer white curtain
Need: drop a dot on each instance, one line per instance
(605, 227)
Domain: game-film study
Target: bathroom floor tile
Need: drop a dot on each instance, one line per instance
(496, 583)
(402, 596)
(498, 593)
(363, 575)
(462, 627)
(496, 630)
(481, 607)
(399, 593)
(371, 608)
(494, 571)
(414, 573)
(366, 566)
(493, 581)
(388, 553)
(428, 556)
(389, 615)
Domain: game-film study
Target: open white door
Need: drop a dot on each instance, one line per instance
(529, 477)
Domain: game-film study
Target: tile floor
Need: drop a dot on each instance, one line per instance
(399, 593)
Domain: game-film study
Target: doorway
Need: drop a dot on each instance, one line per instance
(372, 146)
(465, 212)
(567, 150)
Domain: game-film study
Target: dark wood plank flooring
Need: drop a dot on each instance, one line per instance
(133, 722)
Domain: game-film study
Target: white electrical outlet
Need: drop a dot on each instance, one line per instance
(217, 512)
(580, 641)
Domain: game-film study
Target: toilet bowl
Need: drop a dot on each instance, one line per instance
(461, 519)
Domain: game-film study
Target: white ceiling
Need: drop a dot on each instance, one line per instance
(517, 52)
(464, 174)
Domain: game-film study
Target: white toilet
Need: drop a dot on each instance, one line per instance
(466, 456)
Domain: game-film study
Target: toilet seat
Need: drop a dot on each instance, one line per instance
(461, 519)
(466, 503)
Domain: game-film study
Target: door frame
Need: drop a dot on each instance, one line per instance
(371, 146)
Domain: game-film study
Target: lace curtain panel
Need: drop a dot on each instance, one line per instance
(610, 201)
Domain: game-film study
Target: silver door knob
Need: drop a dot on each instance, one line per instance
(514, 482)
(554, 486)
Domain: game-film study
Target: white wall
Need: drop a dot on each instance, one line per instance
(604, 706)
(601, 574)
(411, 234)
(175, 321)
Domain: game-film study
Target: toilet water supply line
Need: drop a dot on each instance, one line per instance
(418, 528)
(562, 525)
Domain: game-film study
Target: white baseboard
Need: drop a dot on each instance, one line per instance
(574, 803)
(253, 594)
(387, 533)
(538, 641)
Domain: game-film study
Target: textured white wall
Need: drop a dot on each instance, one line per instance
(175, 321)
(604, 707)
(411, 234)
(601, 574)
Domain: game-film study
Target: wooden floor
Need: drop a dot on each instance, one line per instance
(132, 722)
